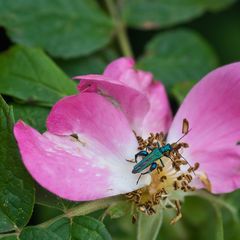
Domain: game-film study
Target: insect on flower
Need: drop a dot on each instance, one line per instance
(154, 151)
(169, 179)
(123, 114)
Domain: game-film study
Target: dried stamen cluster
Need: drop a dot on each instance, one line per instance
(175, 175)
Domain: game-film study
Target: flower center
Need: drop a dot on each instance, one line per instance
(170, 179)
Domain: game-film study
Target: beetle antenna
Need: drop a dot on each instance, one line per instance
(170, 158)
(183, 136)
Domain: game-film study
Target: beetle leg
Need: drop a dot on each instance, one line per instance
(149, 148)
(141, 153)
(141, 175)
(162, 162)
(131, 160)
(152, 167)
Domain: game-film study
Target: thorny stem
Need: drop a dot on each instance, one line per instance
(85, 208)
(120, 29)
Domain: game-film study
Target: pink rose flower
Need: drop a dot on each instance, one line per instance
(82, 156)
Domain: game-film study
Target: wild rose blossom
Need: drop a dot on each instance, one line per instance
(83, 154)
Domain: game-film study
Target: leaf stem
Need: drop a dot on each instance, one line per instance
(85, 208)
(120, 29)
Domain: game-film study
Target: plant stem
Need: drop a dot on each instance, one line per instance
(219, 223)
(85, 208)
(120, 29)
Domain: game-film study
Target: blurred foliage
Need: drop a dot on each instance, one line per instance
(148, 226)
(94, 63)
(222, 32)
(166, 13)
(179, 41)
(177, 56)
(64, 28)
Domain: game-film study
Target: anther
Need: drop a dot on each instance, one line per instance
(163, 178)
(180, 177)
(196, 166)
(178, 215)
(176, 185)
(164, 191)
(188, 177)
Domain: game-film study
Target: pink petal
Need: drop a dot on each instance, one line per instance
(222, 178)
(213, 110)
(159, 117)
(116, 68)
(96, 117)
(122, 71)
(133, 103)
(134, 91)
(137, 79)
(74, 170)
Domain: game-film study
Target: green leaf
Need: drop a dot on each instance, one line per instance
(84, 227)
(148, 226)
(192, 210)
(35, 116)
(220, 202)
(35, 233)
(9, 238)
(78, 228)
(59, 230)
(178, 56)
(64, 28)
(181, 89)
(232, 225)
(94, 63)
(16, 187)
(197, 212)
(45, 198)
(28, 74)
(119, 210)
(62, 228)
(233, 199)
(165, 13)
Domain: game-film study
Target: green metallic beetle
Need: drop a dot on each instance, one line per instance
(149, 159)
